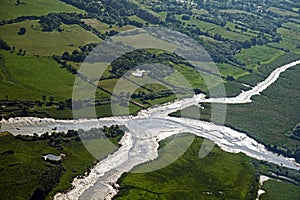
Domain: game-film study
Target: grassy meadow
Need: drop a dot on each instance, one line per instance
(230, 70)
(230, 34)
(219, 175)
(256, 54)
(30, 77)
(187, 77)
(278, 190)
(9, 9)
(103, 27)
(283, 12)
(137, 19)
(201, 24)
(21, 171)
(233, 34)
(291, 38)
(37, 42)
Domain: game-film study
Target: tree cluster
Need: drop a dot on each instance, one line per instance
(143, 96)
(4, 45)
(105, 132)
(52, 21)
(138, 57)
(49, 179)
(111, 12)
(148, 16)
(22, 31)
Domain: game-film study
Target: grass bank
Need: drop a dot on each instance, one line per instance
(219, 175)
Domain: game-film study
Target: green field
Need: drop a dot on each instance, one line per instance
(103, 27)
(290, 39)
(207, 39)
(31, 76)
(28, 78)
(229, 70)
(163, 15)
(215, 29)
(262, 54)
(234, 11)
(278, 190)
(123, 85)
(22, 170)
(199, 11)
(288, 43)
(292, 34)
(198, 23)
(230, 34)
(292, 25)
(9, 10)
(295, 9)
(187, 77)
(136, 18)
(272, 114)
(283, 12)
(219, 175)
(248, 33)
(264, 70)
(37, 42)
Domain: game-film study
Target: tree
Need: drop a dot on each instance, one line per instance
(4, 45)
(148, 16)
(24, 112)
(39, 193)
(22, 31)
(297, 155)
(246, 44)
(253, 41)
(230, 78)
(20, 51)
(51, 98)
(61, 105)
(186, 17)
(66, 56)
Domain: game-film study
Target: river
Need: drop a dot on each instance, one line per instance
(140, 145)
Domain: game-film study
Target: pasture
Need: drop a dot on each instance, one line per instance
(30, 77)
(230, 70)
(230, 34)
(37, 42)
(136, 18)
(9, 9)
(278, 190)
(103, 27)
(283, 12)
(258, 54)
(205, 26)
